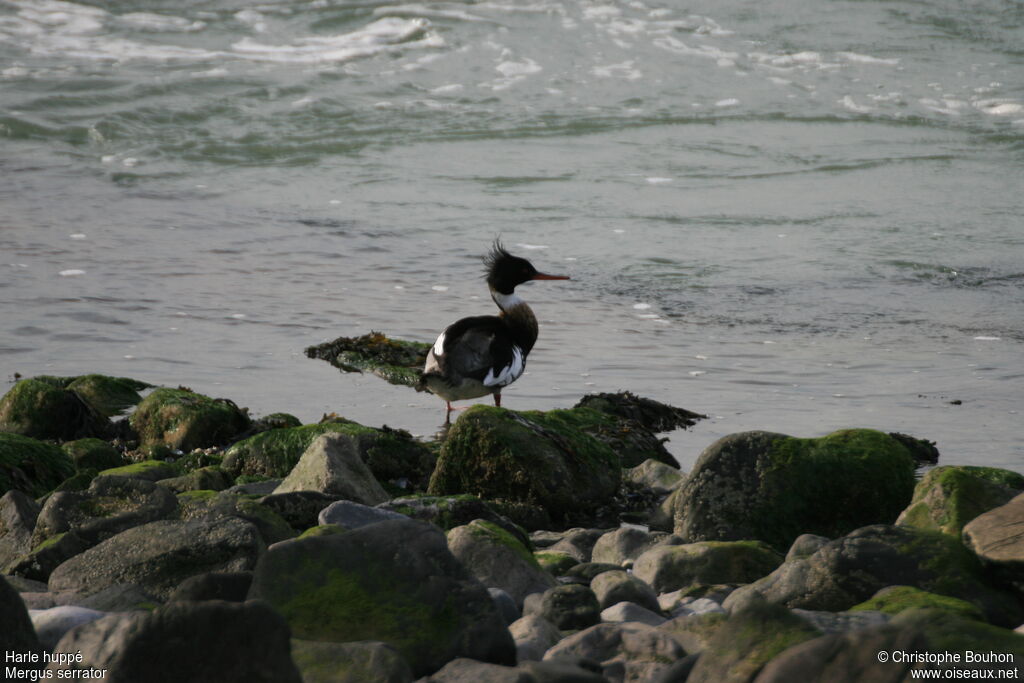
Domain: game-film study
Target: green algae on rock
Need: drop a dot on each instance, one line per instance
(674, 567)
(150, 470)
(109, 395)
(44, 410)
(93, 453)
(32, 466)
(949, 497)
(893, 600)
(184, 420)
(394, 360)
(542, 458)
(774, 487)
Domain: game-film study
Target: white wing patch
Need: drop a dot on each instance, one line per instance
(439, 346)
(508, 374)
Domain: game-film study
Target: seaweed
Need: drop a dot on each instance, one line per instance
(394, 360)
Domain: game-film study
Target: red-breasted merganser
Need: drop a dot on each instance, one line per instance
(483, 354)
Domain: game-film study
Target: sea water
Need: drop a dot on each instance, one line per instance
(795, 216)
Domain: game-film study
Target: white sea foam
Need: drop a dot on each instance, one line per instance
(146, 21)
(866, 59)
(622, 70)
(658, 180)
(531, 246)
(852, 105)
(1000, 107)
(72, 272)
(432, 12)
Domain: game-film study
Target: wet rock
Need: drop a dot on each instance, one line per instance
(93, 453)
(16, 631)
(614, 587)
(648, 413)
(394, 360)
(773, 487)
(395, 582)
(351, 515)
(893, 600)
(995, 537)
(534, 635)
(390, 454)
(109, 506)
(805, 545)
(160, 555)
(627, 543)
(627, 651)
(497, 558)
(300, 509)
(842, 622)
(332, 465)
(31, 466)
(568, 607)
(851, 569)
(51, 624)
(18, 515)
(148, 470)
(354, 662)
(43, 409)
(210, 478)
(746, 641)
(533, 457)
(947, 498)
(229, 586)
(630, 611)
(669, 568)
(172, 644)
(109, 396)
(40, 562)
(185, 420)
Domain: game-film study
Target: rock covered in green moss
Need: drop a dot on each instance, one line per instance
(773, 487)
(742, 644)
(358, 662)
(851, 569)
(394, 360)
(211, 478)
(31, 466)
(93, 453)
(209, 505)
(148, 470)
(555, 563)
(449, 512)
(45, 410)
(498, 559)
(949, 497)
(110, 396)
(160, 555)
(394, 582)
(673, 567)
(569, 607)
(184, 420)
(542, 458)
(42, 559)
(613, 587)
(893, 600)
(333, 465)
(390, 454)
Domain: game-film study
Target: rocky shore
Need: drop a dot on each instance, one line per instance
(157, 534)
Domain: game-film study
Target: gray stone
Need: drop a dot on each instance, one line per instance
(618, 586)
(18, 515)
(630, 611)
(507, 607)
(51, 624)
(111, 505)
(394, 582)
(578, 543)
(229, 586)
(842, 622)
(355, 515)
(655, 475)
(805, 545)
(627, 543)
(534, 635)
(668, 568)
(564, 671)
(333, 465)
(471, 671)
(203, 479)
(16, 631)
(160, 555)
(356, 662)
(568, 607)
(40, 562)
(300, 509)
(627, 651)
(996, 538)
(498, 559)
(693, 631)
(120, 597)
(175, 643)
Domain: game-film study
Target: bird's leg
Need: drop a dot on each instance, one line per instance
(448, 413)
(497, 398)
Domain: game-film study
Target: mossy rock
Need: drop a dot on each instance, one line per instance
(185, 420)
(323, 530)
(210, 504)
(947, 498)
(43, 410)
(276, 421)
(32, 466)
(110, 396)
(390, 454)
(680, 567)
(93, 453)
(540, 458)
(210, 478)
(150, 470)
(893, 600)
(773, 487)
(448, 512)
(79, 481)
(555, 563)
(947, 632)
(394, 360)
